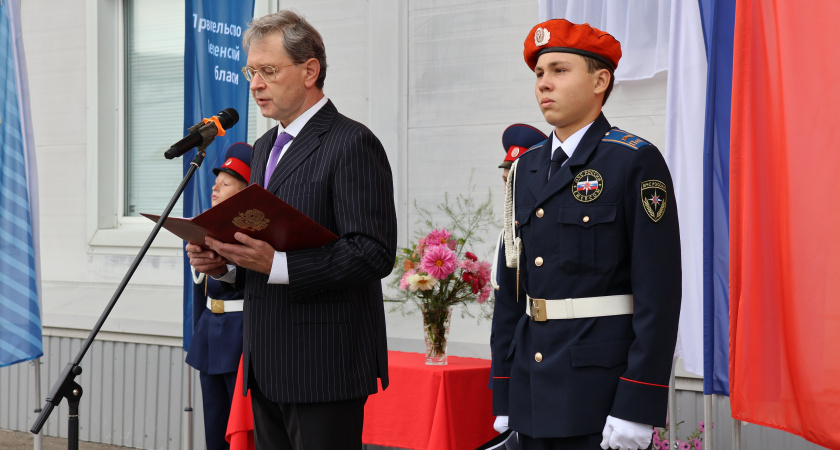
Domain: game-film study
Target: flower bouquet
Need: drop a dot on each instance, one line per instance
(437, 272)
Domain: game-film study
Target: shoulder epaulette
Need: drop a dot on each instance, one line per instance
(538, 145)
(533, 147)
(624, 138)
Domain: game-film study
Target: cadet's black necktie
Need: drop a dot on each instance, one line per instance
(557, 160)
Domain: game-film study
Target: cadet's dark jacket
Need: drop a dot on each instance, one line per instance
(605, 224)
(216, 345)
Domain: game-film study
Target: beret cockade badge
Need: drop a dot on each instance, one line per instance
(541, 36)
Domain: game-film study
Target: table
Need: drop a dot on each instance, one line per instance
(424, 408)
(431, 407)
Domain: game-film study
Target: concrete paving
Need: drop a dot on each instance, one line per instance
(20, 440)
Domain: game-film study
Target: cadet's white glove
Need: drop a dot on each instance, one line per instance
(500, 424)
(625, 435)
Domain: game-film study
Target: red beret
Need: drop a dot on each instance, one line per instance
(560, 35)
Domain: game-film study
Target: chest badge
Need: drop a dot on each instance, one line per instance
(587, 186)
(654, 199)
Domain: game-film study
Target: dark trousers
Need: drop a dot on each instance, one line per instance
(306, 426)
(585, 442)
(216, 394)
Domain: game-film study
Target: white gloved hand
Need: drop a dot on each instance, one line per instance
(625, 435)
(501, 424)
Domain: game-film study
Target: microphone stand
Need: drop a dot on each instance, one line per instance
(65, 386)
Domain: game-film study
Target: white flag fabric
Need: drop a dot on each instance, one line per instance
(684, 119)
(642, 28)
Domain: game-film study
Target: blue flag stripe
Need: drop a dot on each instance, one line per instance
(719, 29)
(13, 284)
(9, 264)
(15, 355)
(14, 218)
(12, 178)
(20, 332)
(7, 237)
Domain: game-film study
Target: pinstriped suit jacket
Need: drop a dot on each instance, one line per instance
(322, 337)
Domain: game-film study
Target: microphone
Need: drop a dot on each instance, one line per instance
(214, 126)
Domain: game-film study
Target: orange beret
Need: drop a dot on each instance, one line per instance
(560, 35)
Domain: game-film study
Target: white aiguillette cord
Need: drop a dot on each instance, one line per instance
(513, 244)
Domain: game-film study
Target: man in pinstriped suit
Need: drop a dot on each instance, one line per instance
(315, 340)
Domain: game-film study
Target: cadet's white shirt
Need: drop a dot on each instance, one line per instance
(571, 143)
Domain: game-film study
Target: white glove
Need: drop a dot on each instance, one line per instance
(625, 435)
(500, 424)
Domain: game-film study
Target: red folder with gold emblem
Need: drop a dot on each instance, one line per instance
(257, 213)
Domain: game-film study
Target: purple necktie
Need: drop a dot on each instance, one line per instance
(282, 139)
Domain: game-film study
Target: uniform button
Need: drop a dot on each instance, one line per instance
(538, 261)
(585, 219)
(540, 212)
(538, 357)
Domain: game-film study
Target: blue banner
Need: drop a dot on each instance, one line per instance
(719, 33)
(20, 312)
(213, 81)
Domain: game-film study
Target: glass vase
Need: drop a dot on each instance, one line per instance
(436, 334)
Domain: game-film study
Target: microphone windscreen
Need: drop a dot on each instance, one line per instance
(228, 118)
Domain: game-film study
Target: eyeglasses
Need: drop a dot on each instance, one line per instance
(268, 73)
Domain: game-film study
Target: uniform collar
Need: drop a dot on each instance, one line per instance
(571, 143)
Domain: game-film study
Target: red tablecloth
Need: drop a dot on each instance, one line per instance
(424, 408)
(431, 407)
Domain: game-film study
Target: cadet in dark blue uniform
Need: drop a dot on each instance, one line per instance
(216, 345)
(591, 224)
(516, 140)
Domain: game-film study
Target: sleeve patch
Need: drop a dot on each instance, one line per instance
(624, 138)
(654, 199)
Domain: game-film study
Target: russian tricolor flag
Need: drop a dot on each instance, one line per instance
(587, 185)
(761, 261)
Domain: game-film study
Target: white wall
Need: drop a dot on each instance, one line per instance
(438, 82)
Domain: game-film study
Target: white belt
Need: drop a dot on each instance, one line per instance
(224, 306)
(541, 310)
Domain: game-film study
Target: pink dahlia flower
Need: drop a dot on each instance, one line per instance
(438, 261)
(438, 237)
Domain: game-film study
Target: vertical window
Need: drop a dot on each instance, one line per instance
(154, 103)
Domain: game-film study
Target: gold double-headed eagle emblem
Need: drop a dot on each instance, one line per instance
(251, 220)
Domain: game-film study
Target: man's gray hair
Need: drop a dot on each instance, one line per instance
(300, 39)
